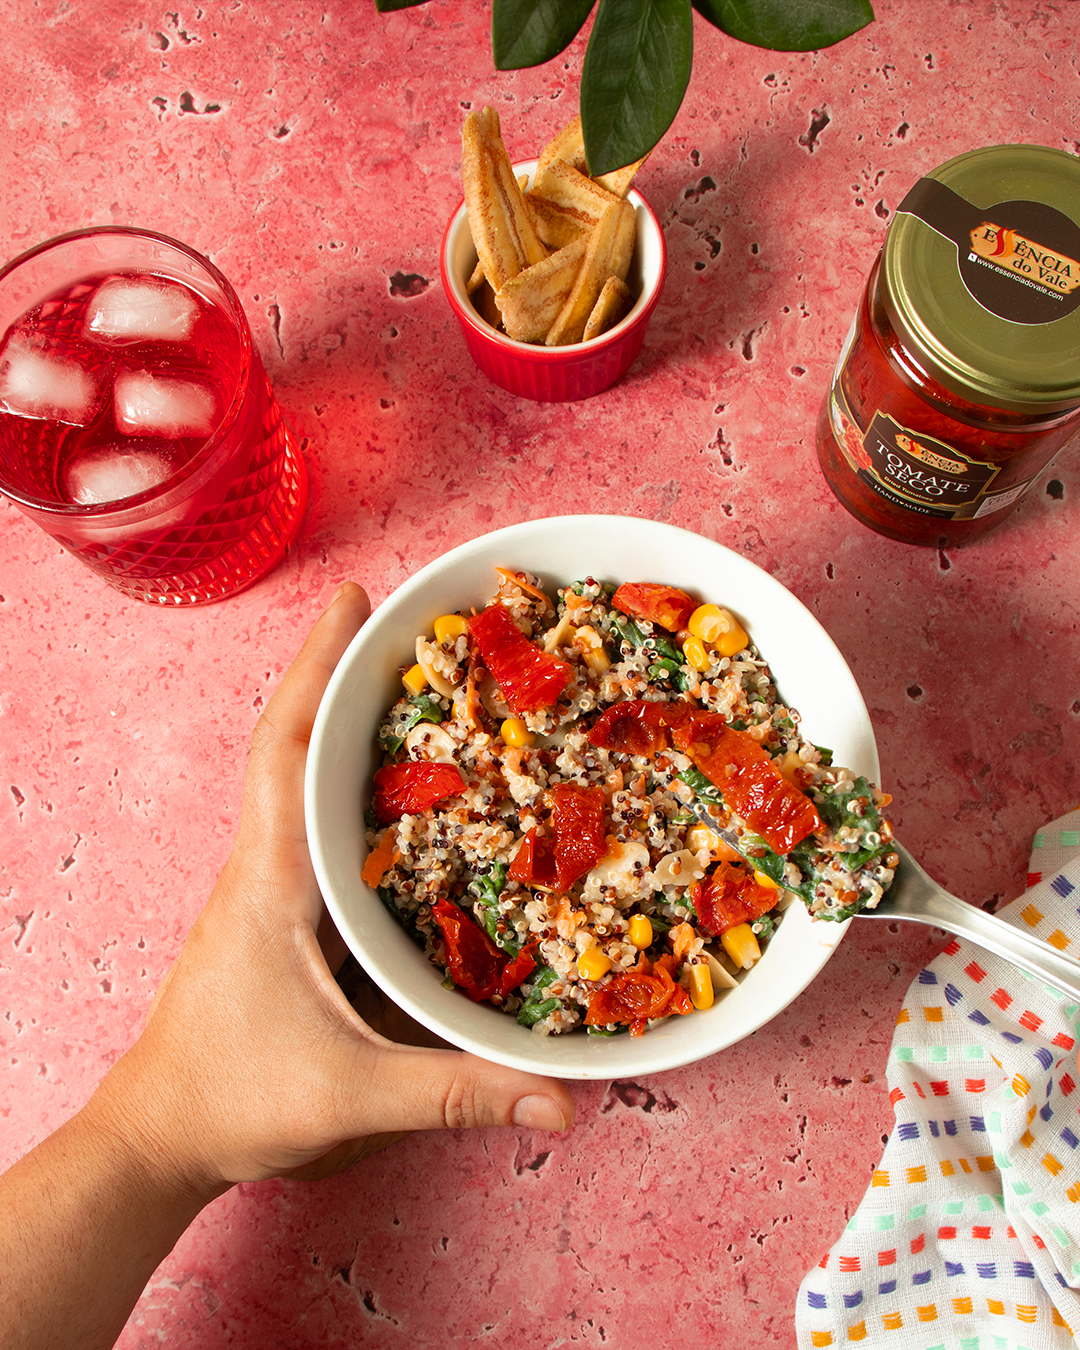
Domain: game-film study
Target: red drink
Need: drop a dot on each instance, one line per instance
(137, 425)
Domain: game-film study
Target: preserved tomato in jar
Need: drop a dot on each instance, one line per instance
(960, 378)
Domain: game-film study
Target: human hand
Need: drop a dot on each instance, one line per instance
(253, 1063)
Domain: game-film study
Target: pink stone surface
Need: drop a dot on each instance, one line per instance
(312, 150)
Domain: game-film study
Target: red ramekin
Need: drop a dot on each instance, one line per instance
(556, 374)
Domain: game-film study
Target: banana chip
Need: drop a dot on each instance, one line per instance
(501, 226)
(612, 305)
(611, 245)
(552, 258)
(530, 302)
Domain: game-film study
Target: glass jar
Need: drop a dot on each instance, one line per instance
(959, 380)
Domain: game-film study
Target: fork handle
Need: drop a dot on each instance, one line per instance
(943, 910)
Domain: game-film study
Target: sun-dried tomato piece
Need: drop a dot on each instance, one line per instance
(405, 789)
(474, 961)
(665, 605)
(530, 679)
(728, 896)
(638, 727)
(639, 996)
(476, 965)
(577, 822)
(534, 862)
(750, 783)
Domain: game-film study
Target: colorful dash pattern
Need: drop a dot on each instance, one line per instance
(968, 1237)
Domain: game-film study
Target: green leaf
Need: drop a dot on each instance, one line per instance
(664, 649)
(626, 630)
(488, 888)
(635, 73)
(424, 709)
(703, 787)
(536, 1007)
(787, 25)
(386, 6)
(530, 32)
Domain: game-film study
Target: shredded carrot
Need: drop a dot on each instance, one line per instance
(614, 781)
(381, 858)
(518, 580)
(682, 937)
(723, 852)
(575, 602)
(567, 919)
(472, 703)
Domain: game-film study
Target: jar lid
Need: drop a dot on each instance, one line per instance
(981, 276)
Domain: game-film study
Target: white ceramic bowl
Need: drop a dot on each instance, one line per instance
(810, 672)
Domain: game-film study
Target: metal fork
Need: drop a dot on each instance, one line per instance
(915, 896)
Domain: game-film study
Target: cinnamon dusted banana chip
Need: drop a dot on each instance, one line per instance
(479, 291)
(567, 145)
(555, 226)
(612, 305)
(553, 258)
(501, 226)
(619, 180)
(530, 302)
(610, 248)
(575, 195)
(484, 303)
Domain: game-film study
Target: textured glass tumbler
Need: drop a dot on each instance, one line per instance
(137, 425)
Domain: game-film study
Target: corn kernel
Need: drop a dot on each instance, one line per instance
(591, 646)
(449, 627)
(706, 623)
(763, 880)
(719, 628)
(640, 931)
(701, 987)
(699, 837)
(593, 963)
(733, 639)
(414, 679)
(696, 655)
(515, 733)
(741, 945)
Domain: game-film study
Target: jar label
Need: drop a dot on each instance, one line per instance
(925, 475)
(1018, 259)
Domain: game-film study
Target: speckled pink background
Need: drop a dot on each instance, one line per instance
(313, 151)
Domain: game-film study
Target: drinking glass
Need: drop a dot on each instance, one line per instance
(137, 425)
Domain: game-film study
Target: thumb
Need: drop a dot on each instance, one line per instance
(408, 1088)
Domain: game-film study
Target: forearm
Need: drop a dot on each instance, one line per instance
(85, 1219)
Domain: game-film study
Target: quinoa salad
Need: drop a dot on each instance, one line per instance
(594, 807)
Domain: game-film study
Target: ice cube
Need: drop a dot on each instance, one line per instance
(110, 473)
(33, 384)
(132, 311)
(160, 405)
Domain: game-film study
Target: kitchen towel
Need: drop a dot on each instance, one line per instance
(968, 1237)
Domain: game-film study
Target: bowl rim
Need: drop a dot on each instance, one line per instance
(365, 923)
(640, 313)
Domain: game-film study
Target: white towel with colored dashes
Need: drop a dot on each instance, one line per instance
(968, 1237)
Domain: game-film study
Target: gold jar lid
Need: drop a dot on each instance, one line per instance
(981, 277)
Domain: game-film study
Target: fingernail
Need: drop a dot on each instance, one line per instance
(539, 1113)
